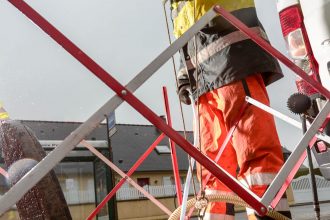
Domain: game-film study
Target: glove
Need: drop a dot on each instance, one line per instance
(184, 94)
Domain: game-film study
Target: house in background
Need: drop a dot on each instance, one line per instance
(85, 180)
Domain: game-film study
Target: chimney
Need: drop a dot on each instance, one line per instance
(164, 119)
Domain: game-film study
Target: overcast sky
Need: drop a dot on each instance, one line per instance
(41, 81)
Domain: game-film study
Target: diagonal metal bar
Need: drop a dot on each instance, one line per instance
(284, 117)
(54, 157)
(126, 177)
(123, 180)
(302, 157)
(174, 157)
(295, 156)
(288, 180)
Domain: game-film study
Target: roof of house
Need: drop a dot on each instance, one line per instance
(128, 143)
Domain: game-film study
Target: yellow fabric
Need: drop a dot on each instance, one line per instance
(4, 115)
(185, 18)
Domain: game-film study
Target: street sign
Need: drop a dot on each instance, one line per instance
(111, 123)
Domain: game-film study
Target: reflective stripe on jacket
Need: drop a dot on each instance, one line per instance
(224, 54)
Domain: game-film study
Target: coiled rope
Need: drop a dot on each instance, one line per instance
(224, 198)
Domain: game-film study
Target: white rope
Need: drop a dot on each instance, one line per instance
(191, 168)
(191, 165)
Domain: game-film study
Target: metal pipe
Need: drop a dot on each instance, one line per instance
(316, 203)
(192, 165)
(285, 118)
(173, 150)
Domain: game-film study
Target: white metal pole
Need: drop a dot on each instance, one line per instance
(191, 164)
(284, 117)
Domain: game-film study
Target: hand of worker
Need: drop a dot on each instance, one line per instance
(184, 94)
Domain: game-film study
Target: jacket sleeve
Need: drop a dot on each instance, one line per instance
(182, 76)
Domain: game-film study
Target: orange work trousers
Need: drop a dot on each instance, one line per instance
(254, 154)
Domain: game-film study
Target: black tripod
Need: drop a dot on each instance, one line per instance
(299, 103)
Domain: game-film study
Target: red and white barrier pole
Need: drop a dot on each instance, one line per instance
(173, 150)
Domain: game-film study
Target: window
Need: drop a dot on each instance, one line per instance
(169, 180)
(163, 149)
(143, 181)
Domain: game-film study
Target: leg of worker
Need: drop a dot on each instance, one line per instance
(212, 135)
(259, 152)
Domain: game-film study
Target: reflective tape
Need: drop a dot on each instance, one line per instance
(258, 179)
(217, 192)
(222, 43)
(214, 216)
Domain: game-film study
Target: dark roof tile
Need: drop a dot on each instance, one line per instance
(128, 143)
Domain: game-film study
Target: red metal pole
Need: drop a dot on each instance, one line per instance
(122, 181)
(291, 175)
(126, 95)
(271, 50)
(173, 150)
(296, 168)
(288, 181)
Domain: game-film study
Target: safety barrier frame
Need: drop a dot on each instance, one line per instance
(125, 93)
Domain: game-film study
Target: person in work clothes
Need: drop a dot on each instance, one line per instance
(229, 67)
